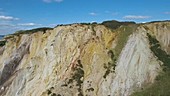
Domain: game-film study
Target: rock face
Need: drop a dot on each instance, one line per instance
(82, 60)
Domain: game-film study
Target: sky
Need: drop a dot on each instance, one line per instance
(27, 14)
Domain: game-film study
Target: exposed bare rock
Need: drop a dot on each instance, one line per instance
(81, 60)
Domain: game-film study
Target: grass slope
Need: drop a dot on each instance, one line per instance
(161, 87)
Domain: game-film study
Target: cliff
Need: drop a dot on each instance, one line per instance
(85, 59)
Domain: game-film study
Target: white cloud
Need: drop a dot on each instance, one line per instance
(7, 25)
(8, 18)
(93, 13)
(136, 17)
(28, 24)
(49, 1)
(167, 12)
(7, 28)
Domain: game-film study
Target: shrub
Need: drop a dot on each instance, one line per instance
(115, 24)
(2, 43)
(43, 29)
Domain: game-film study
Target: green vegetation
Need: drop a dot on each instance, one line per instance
(146, 28)
(32, 31)
(2, 43)
(43, 29)
(92, 27)
(79, 73)
(54, 94)
(115, 24)
(161, 87)
(94, 23)
(49, 92)
(76, 77)
(90, 89)
(123, 33)
(159, 21)
(85, 23)
(110, 67)
(156, 49)
(58, 95)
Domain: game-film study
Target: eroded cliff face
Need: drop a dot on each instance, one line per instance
(82, 60)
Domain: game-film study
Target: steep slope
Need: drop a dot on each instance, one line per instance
(82, 60)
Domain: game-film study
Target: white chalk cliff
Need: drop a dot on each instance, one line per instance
(82, 60)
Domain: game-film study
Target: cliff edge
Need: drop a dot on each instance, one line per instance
(108, 59)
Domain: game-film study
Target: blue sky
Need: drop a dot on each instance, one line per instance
(27, 14)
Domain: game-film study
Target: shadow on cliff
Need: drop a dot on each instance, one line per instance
(11, 64)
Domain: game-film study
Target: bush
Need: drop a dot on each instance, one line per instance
(159, 21)
(115, 24)
(2, 43)
(43, 29)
